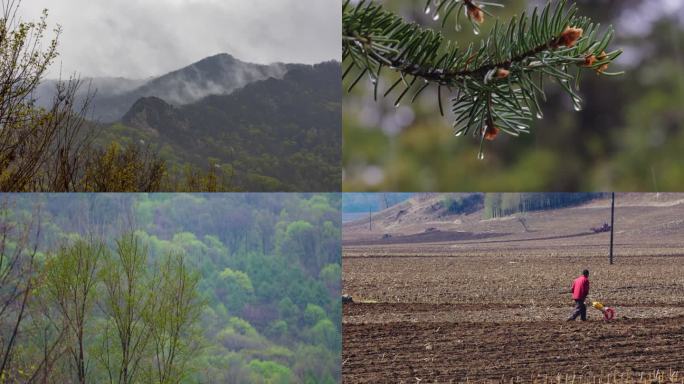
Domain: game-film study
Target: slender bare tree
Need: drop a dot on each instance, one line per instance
(177, 308)
(19, 241)
(72, 276)
(39, 147)
(127, 297)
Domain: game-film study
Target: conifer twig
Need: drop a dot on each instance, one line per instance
(498, 82)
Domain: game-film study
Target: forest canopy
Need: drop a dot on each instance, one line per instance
(170, 288)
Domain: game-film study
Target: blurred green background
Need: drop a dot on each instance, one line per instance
(628, 137)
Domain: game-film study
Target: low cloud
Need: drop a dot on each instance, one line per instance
(143, 38)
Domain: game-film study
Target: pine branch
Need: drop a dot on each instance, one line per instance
(498, 82)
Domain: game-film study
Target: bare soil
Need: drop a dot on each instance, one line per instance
(493, 308)
(447, 352)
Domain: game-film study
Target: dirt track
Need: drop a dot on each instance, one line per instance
(492, 309)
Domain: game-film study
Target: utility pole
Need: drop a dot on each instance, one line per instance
(370, 219)
(612, 227)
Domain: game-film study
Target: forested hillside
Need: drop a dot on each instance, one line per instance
(272, 135)
(214, 75)
(172, 288)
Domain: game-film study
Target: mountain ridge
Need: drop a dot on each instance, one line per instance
(272, 134)
(218, 74)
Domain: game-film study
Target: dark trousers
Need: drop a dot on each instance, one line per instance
(580, 310)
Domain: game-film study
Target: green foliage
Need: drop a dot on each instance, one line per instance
(625, 138)
(238, 326)
(71, 279)
(325, 333)
(314, 365)
(330, 276)
(278, 329)
(498, 84)
(110, 311)
(299, 241)
(313, 314)
(123, 169)
(236, 289)
(268, 372)
(287, 309)
(41, 147)
(174, 318)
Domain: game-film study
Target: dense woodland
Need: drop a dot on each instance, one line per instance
(170, 288)
(272, 135)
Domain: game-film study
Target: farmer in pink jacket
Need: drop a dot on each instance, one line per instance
(580, 291)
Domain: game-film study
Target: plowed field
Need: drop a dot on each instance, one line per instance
(494, 309)
(446, 352)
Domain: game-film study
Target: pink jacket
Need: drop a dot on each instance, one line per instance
(580, 288)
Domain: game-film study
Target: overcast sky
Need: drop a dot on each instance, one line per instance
(142, 38)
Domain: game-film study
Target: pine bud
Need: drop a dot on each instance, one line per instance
(589, 61)
(475, 13)
(569, 37)
(603, 67)
(491, 132)
(502, 73)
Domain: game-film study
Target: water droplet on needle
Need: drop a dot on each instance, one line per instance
(577, 103)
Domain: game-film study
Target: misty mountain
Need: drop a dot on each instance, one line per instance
(215, 75)
(273, 134)
(98, 87)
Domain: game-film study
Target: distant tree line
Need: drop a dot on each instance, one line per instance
(506, 204)
(463, 204)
